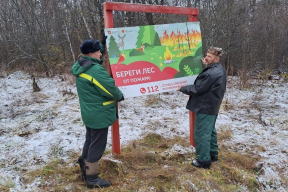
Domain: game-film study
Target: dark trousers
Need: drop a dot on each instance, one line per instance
(95, 144)
(205, 136)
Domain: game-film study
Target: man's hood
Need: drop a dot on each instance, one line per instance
(83, 64)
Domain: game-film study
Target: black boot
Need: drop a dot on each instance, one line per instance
(81, 162)
(92, 179)
(214, 156)
(201, 164)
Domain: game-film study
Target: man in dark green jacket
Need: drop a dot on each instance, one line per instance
(97, 97)
(206, 95)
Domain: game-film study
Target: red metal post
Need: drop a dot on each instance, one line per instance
(192, 115)
(108, 23)
(109, 7)
(115, 133)
(192, 18)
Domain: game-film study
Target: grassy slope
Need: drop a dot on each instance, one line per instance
(149, 163)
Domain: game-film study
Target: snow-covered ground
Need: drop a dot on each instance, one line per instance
(38, 126)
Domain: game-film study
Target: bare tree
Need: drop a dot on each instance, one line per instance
(45, 35)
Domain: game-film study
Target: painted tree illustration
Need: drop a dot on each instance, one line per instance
(149, 35)
(197, 70)
(140, 36)
(113, 48)
(187, 70)
(178, 37)
(188, 39)
(190, 65)
(157, 41)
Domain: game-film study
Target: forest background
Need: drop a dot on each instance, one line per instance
(43, 37)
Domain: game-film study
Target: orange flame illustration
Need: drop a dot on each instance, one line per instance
(168, 55)
(172, 39)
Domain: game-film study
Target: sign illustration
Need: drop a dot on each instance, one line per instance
(154, 58)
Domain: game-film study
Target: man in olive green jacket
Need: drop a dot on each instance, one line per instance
(97, 97)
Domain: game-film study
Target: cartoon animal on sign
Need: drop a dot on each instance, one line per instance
(121, 58)
(121, 43)
(142, 48)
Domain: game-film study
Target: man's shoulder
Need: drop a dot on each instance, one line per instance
(98, 70)
(97, 66)
(215, 71)
(217, 66)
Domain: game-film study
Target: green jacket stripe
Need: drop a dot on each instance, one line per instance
(89, 78)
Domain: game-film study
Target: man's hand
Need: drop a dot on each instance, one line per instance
(121, 98)
(178, 89)
(204, 61)
(103, 40)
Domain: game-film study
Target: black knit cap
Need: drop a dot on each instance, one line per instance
(90, 46)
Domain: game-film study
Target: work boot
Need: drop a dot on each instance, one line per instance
(92, 179)
(201, 164)
(81, 162)
(214, 156)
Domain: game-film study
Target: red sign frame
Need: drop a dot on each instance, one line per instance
(109, 7)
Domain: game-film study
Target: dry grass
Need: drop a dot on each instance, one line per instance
(3, 73)
(224, 135)
(145, 165)
(70, 93)
(68, 77)
(226, 105)
(153, 101)
(6, 183)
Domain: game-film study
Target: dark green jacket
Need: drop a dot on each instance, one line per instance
(97, 93)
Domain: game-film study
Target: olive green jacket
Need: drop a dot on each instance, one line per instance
(97, 93)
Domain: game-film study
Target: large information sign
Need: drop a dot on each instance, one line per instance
(152, 59)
